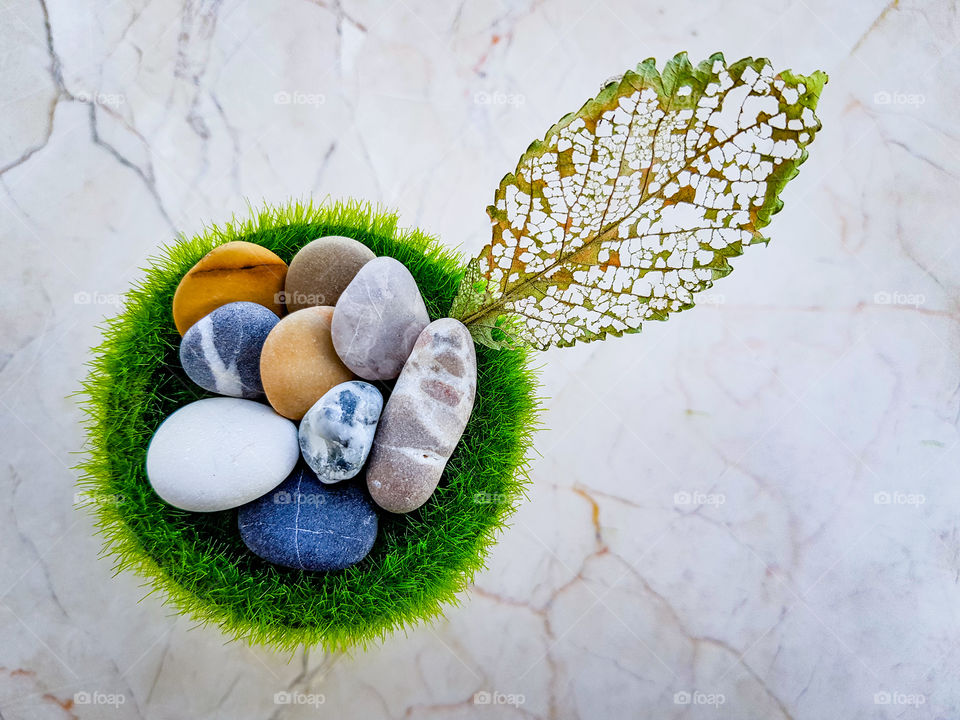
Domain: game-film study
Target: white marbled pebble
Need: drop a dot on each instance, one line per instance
(337, 432)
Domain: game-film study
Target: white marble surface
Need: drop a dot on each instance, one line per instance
(826, 370)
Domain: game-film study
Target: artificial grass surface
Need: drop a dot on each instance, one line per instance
(197, 560)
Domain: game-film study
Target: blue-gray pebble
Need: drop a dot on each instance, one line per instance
(307, 525)
(336, 434)
(221, 352)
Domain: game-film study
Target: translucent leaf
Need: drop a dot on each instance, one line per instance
(636, 202)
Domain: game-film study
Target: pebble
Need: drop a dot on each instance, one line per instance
(322, 269)
(337, 432)
(298, 364)
(307, 525)
(236, 270)
(221, 352)
(378, 318)
(220, 453)
(424, 417)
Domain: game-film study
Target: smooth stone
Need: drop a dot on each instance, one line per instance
(424, 417)
(298, 364)
(219, 453)
(378, 318)
(322, 269)
(337, 432)
(236, 270)
(307, 525)
(221, 352)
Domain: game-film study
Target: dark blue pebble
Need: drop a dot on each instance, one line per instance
(308, 525)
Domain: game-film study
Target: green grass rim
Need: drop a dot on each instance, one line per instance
(197, 562)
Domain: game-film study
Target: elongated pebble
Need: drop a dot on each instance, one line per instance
(424, 418)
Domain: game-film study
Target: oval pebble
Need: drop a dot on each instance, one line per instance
(322, 269)
(378, 318)
(337, 432)
(219, 453)
(298, 363)
(424, 417)
(236, 270)
(221, 352)
(307, 525)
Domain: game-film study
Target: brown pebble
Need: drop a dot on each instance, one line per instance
(322, 269)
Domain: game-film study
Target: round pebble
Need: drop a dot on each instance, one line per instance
(236, 270)
(307, 525)
(322, 269)
(221, 352)
(219, 453)
(298, 364)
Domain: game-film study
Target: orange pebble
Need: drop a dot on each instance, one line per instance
(234, 271)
